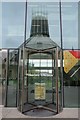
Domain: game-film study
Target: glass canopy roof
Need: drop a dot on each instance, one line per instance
(39, 42)
(39, 36)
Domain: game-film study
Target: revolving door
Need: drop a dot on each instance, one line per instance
(40, 80)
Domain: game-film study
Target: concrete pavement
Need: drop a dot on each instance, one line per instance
(8, 113)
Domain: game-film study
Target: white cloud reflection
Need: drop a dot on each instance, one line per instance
(15, 30)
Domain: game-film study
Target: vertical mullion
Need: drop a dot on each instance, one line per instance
(7, 71)
(18, 94)
(62, 87)
(23, 66)
(27, 75)
(57, 74)
(17, 79)
(61, 35)
(41, 24)
(37, 24)
(52, 78)
(23, 80)
(34, 30)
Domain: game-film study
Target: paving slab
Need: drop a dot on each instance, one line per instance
(13, 113)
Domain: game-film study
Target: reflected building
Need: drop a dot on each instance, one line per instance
(36, 89)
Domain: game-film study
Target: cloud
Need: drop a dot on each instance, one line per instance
(69, 42)
(15, 30)
(64, 17)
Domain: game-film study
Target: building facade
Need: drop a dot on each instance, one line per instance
(38, 69)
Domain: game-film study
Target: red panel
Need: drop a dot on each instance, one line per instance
(75, 53)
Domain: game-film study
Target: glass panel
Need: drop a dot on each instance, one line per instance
(12, 77)
(39, 85)
(70, 22)
(13, 24)
(3, 56)
(71, 78)
(1, 77)
(40, 71)
(20, 78)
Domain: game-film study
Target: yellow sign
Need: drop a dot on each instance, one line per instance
(39, 91)
(69, 61)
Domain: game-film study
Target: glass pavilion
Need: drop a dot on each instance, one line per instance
(40, 70)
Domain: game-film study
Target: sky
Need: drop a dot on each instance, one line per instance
(13, 14)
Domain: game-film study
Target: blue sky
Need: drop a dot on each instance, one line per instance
(13, 22)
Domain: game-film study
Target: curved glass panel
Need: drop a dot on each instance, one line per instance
(40, 82)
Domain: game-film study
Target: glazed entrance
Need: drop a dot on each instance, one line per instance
(40, 71)
(40, 85)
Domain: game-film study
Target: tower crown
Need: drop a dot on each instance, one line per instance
(39, 25)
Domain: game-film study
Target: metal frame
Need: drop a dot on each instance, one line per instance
(27, 76)
(57, 74)
(18, 77)
(62, 83)
(6, 85)
(53, 76)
